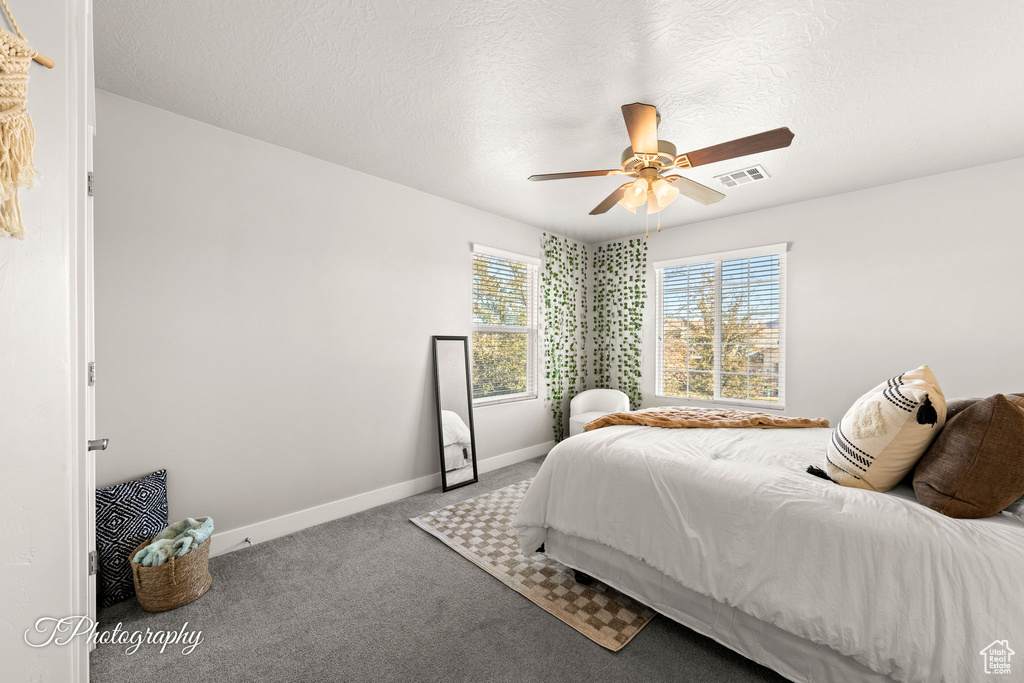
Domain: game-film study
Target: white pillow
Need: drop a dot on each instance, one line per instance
(1016, 510)
(887, 431)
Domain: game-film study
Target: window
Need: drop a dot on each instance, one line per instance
(721, 323)
(504, 326)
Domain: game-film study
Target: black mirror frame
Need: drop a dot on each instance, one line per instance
(469, 402)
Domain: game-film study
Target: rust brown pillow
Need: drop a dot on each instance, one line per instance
(956, 406)
(975, 467)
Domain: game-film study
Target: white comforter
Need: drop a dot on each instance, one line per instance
(731, 513)
(454, 429)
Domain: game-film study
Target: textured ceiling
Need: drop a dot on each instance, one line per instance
(465, 99)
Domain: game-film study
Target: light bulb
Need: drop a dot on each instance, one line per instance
(637, 192)
(653, 206)
(626, 204)
(664, 191)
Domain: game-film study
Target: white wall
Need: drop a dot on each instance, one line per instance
(38, 567)
(248, 340)
(264, 318)
(883, 280)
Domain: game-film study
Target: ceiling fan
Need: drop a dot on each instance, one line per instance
(647, 158)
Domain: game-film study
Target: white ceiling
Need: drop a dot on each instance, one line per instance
(466, 98)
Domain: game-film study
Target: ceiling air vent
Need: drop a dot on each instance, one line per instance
(742, 177)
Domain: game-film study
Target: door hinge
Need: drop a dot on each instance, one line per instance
(89, 184)
(94, 563)
(92, 373)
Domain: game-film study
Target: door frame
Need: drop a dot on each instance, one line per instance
(81, 122)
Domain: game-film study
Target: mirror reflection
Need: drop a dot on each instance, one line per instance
(454, 411)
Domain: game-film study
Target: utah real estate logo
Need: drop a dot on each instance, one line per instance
(997, 657)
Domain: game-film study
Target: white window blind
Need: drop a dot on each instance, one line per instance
(721, 326)
(504, 326)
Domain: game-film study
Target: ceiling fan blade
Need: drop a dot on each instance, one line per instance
(574, 174)
(642, 125)
(610, 201)
(752, 144)
(695, 191)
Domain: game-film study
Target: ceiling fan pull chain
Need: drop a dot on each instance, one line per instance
(647, 222)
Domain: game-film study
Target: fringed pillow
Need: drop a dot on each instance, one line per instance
(887, 431)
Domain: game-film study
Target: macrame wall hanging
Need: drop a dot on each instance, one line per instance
(17, 136)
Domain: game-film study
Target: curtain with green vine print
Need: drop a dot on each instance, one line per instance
(619, 296)
(564, 298)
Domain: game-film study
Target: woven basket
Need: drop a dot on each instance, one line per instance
(177, 582)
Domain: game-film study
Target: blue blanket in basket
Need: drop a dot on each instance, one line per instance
(175, 541)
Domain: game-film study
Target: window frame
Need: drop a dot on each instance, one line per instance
(532, 329)
(717, 258)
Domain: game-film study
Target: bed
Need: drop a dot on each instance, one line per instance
(724, 531)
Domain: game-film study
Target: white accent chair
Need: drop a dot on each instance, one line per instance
(591, 404)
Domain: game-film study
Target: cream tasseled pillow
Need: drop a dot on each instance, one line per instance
(887, 431)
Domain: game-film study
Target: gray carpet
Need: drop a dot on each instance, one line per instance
(372, 597)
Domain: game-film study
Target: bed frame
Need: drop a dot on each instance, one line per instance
(796, 658)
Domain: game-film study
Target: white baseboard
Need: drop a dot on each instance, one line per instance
(234, 539)
(496, 462)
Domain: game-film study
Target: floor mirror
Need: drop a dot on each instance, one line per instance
(454, 411)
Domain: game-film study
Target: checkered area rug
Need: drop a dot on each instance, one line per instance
(479, 529)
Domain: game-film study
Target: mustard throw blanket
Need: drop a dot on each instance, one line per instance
(680, 417)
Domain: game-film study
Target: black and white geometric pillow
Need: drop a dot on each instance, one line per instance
(126, 515)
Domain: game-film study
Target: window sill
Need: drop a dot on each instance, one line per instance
(725, 402)
(504, 400)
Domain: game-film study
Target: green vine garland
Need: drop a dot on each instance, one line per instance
(620, 293)
(564, 295)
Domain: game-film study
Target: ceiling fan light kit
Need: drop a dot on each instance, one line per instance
(647, 158)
